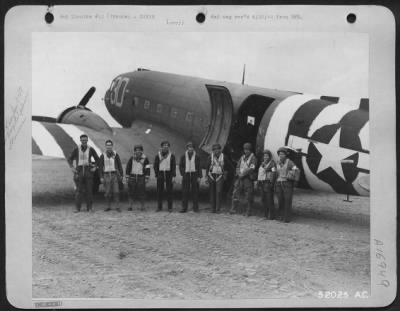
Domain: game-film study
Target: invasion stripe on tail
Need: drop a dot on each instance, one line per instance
(74, 132)
(66, 143)
(35, 148)
(45, 141)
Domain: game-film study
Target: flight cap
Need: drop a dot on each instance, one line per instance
(189, 144)
(283, 149)
(165, 142)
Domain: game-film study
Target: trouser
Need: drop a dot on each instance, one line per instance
(164, 178)
(190, 186)
(111, 186)
(215, 192)
(267, 199)
(284, 193)
(84, 183)
(137, 188)
(243, 185)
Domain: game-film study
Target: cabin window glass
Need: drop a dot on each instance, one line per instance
(146, 105)
(174, 113)
(189, 117)
(159, 108)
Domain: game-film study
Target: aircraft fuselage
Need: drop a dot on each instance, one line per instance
(331, 137)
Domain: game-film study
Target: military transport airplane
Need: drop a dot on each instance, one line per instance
(330, 134)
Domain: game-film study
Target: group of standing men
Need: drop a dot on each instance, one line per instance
(271, 177)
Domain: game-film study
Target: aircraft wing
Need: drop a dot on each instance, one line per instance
(58, 139)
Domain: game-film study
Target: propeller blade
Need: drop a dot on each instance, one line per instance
(87, 96)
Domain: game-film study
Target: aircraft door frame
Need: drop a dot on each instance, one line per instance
(221, 117)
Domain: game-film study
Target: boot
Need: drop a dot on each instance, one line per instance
(248, 209)
(108, 205)
(235, 204)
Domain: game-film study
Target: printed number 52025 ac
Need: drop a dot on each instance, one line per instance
(332, 294)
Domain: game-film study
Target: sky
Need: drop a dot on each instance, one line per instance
(65, 65)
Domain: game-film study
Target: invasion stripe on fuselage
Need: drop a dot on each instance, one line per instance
(330, 99)
(305, 116)
(331, 114)
(75, 132)
(276, 134)
(63, 139)
(364, 136)
(45, 141)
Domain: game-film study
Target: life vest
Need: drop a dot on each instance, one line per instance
(165, 163)
(190, 164)
(83, 156)
(245, 164)
(137, 166)
(109, 162)
(283, 169)
(217, 164)
(263, 171)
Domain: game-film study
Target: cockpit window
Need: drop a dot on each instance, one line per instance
(121, 90)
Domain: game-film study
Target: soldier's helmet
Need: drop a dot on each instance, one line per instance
(247, 146)
(138, 148)
(267, 151)
(216, 147)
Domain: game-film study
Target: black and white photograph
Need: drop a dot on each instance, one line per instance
(263, 136)
(201, 165)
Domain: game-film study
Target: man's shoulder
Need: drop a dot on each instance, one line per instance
(91, 149)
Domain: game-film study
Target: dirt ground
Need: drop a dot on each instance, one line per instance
(193, 256)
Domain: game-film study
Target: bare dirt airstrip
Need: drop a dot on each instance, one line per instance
(193, 256)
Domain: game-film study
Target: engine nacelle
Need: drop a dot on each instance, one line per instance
(83, 116)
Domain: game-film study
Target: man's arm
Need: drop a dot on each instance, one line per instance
(146, 165)
(119, 165)
(94, 155)
(228, 167)
(101, 166)
(182, 165)
(173, 165)
(156, 166)
(198, 167)
(71, 158)
(128, 168)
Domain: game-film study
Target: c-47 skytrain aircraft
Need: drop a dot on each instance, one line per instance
(330, 135)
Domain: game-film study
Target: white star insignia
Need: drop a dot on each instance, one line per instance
(332, 154)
